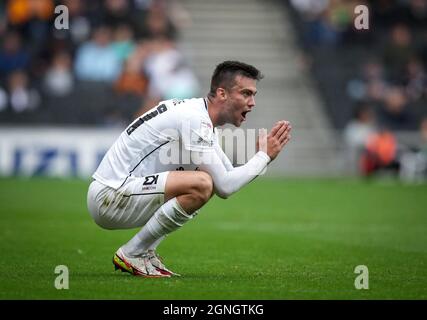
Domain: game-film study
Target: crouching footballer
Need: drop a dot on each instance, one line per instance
(135, 187)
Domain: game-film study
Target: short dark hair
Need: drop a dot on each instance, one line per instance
(226, 72)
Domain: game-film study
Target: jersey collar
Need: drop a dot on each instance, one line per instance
(206, 103)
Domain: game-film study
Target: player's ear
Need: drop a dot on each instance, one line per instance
(221, 93)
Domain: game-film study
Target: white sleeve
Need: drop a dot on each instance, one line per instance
(224, 159)
(196, 133)
(227, 182)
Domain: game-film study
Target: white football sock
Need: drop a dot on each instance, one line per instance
(156, 243)
(169, 217)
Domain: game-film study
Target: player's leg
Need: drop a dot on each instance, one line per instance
(191, 188)
(174, 187)
(185, 192)
(113, 209)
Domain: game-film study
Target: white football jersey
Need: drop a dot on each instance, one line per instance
(160, 140)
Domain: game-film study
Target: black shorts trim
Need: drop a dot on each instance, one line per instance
(141, 194)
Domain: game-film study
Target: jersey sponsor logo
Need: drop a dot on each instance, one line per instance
(147, 116)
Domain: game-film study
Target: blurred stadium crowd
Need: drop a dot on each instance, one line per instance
(118, 56)
(374, 81)
(115, 57)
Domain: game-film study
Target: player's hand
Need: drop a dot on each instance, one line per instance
(278, 137)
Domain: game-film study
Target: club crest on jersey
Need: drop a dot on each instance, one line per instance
(206, 130)
(204, 136)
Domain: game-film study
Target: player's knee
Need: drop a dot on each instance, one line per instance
(207, 185)
(203, 187)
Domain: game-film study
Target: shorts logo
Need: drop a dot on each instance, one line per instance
(149, 180)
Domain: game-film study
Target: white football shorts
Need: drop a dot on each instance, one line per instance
(130, 206)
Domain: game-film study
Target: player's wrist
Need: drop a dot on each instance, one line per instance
(264, 155)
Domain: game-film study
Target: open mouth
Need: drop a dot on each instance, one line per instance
(244, 114)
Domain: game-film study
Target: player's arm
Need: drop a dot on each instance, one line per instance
(226, 182)
(223, 157)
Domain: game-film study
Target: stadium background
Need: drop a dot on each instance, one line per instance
(348, 190)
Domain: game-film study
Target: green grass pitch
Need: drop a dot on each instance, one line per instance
(275, 239)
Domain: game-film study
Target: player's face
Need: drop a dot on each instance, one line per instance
(240, 99)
